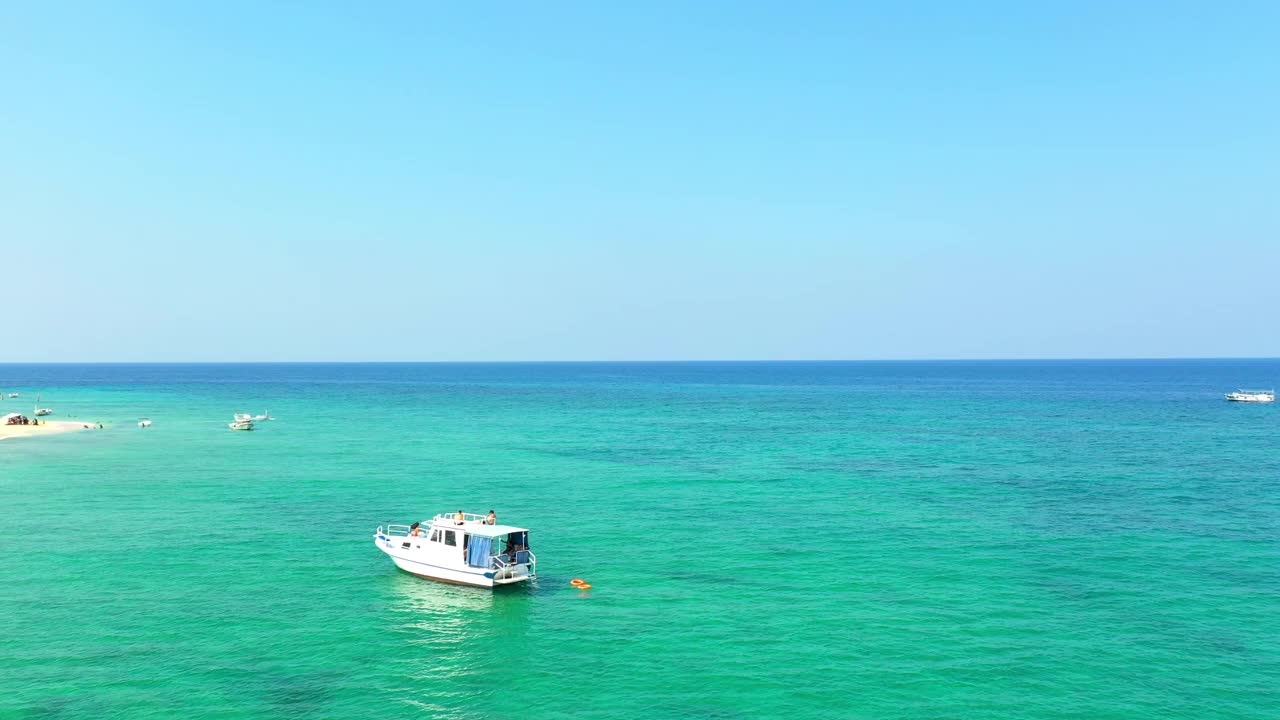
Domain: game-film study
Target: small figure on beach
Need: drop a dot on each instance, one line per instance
(492, 519)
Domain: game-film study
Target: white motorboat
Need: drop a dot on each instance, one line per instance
(1242, 395)
(241, 425)
(13, 394)
(242, 417)
(42, 411)
(465, 551)
(266, 415)
(144, 422)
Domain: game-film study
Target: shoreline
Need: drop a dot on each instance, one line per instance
(50, 427)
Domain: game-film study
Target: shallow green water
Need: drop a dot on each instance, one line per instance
(861, 540)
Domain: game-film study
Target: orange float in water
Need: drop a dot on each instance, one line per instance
(577, 581)
(583, 586)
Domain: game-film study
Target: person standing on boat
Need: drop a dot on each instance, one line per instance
(460, 519)
(492, 519)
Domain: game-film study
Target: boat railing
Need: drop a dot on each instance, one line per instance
(394, 529)
(523, 557)
(466, 517)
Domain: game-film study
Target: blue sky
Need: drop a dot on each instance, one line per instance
(300, 181)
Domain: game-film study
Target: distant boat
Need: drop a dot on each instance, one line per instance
(144, 422)
(241, 425)
(1261, 396)
(13, 394)
(42, 411)
(266, 415)
(243, 417)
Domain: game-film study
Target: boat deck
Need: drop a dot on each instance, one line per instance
(473, 524)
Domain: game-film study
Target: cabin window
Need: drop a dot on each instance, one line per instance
(435, 536)
(450, 538)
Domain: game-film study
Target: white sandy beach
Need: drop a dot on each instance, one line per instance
(51, 427)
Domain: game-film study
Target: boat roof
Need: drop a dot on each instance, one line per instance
(475, 528)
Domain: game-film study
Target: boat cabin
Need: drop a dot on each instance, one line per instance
(480, 542)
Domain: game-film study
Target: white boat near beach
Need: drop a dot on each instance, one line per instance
(462, 552)
(241, 425)
(1261, 396)
(42, 411)
(144, 422)
(13, 394)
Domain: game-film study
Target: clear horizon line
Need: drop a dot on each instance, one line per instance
(669, 361)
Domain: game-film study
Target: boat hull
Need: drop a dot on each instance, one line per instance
(439, 574)
(424, 568)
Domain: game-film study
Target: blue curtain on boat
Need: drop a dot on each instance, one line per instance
(478, 551)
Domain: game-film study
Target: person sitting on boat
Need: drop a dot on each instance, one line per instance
(492, 519)
(414, 530)
(513, 549)
(460, 519)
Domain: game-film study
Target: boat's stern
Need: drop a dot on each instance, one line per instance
(509, 574)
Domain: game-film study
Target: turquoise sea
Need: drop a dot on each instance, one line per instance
(975, 540)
